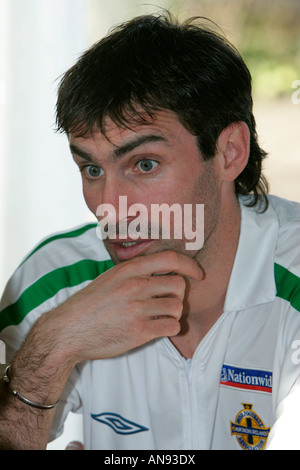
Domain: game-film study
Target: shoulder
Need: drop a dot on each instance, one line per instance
(70, 244)
(287, 252)
(288, 216)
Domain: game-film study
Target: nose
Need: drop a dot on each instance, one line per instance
(111, 191)
(114, 201)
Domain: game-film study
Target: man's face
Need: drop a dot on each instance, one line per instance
(153, 164)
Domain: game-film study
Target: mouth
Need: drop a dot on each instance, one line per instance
(127, 244)
(127, 249)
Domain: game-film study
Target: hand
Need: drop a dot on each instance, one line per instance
(127, 306)
(123, 308)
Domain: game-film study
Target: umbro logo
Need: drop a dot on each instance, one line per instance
(119, 424)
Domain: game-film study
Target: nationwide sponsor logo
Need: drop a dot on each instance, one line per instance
(249, 429)
(119, 424)
(247, 379)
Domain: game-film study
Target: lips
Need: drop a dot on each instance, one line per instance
(127, 249)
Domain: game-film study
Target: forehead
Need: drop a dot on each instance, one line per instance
(165, 124)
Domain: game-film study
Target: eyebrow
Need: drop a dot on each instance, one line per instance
(118, 152)
(137, 142)
(81, 153)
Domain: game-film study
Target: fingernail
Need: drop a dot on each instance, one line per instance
(75, 445)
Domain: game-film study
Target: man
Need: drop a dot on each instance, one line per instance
(159, 346)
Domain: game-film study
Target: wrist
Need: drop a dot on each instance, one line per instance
(42, 366)
(41, 406)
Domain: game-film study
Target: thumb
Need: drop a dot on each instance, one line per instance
(75, 445)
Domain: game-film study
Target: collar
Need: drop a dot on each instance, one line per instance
(252, 279)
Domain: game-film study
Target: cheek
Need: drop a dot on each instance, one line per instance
(91, 199)
(172, 191)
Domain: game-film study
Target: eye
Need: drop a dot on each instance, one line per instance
(147, 165)
(93, 171)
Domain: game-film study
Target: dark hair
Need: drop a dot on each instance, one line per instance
(152, 63)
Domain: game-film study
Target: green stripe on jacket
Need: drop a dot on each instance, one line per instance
(288, 286)
(49, 285)
(72, 234)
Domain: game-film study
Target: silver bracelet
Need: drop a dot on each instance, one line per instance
(6, 380)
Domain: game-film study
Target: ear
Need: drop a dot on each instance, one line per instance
(233, 147)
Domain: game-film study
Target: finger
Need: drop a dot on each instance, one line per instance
(75, 445)
(164, 326)
(168, 262)
(170, 287)
(162, 307)
(161, 286)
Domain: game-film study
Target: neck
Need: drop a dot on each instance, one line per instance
(205, 299)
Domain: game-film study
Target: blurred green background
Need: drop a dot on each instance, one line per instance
(266, 32)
